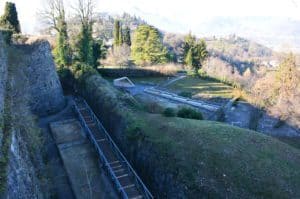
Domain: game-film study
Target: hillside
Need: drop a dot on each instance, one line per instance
(181, 158)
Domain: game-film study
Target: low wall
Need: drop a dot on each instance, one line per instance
(130, 72)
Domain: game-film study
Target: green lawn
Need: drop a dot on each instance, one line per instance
(202, 87)
(216, 159)
(149, 80)
(295, 142)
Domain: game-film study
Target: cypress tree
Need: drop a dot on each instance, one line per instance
(189, 57)
(117, 33)
(127, 38)
(84, 45)
(10, 20)
(120, 35)
(195, 52)
(62, 51)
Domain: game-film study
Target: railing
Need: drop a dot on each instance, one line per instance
(117, 152)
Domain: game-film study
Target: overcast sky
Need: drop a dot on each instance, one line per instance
(187, 12)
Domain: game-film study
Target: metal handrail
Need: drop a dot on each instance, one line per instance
(116, 150)
(106, 163)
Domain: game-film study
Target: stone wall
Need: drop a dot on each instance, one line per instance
(3, 74)
(45, 88)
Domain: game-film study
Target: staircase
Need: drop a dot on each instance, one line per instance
(123, 176)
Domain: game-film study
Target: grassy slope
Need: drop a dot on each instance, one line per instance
(209, 158)
(207, 88)
(220, 160)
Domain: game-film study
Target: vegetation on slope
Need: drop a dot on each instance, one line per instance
(195, 158)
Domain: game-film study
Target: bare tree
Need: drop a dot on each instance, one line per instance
(85, 11)
(53, 13)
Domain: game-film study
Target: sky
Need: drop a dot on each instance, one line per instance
(188, 13)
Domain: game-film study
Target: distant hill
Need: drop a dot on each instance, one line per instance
(104, 24)
(278, 33)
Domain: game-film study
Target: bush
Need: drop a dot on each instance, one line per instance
(153, 107)
(189, 113)
(185, 94)
(82, 71)
(7, 35)
(169, 112)
(66, 78)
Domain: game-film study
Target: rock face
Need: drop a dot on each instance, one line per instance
(45, 88)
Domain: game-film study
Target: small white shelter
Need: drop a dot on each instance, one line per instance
(123, 82)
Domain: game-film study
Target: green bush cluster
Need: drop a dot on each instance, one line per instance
(169, 112)
(189, 113)
(185, 94)
(183, 112)
(7, 35)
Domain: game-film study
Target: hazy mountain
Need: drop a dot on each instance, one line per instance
(278, 33)
(275, 32)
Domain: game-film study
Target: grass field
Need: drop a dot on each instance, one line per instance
(200, 87)
(149, 80)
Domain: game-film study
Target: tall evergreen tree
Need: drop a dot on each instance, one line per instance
(9, 19)
(286, 76)
(189, 42)
(147, 47)
(120, 35)
(189, 58)
(54, 16)
(195, 52)
(84, 44)
(117, 36)
(127, 37)
(99, 52)
(62, 52)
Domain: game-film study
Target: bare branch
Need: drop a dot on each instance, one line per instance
(52, 12)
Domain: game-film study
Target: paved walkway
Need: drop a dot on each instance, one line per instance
(87, 179)
(184, 100)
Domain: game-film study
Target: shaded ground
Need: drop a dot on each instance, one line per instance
(58, 178)
(80, 161)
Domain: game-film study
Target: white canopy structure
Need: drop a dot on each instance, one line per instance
(123, 82)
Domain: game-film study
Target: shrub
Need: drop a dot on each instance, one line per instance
(83, 71)
(66, 78)
(169, 112)
(185, 94)
(153, 107)
(7, 35)
(189, 113)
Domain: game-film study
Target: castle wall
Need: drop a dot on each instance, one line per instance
(3, 75)
(44, 85)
